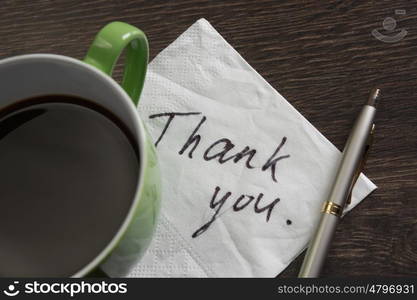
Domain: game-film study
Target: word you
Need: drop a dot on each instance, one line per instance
(240, 203)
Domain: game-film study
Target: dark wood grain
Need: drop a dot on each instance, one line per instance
(320, 55)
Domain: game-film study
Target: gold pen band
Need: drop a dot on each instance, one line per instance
(332, 208)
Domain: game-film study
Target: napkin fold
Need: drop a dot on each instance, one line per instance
(244, 173)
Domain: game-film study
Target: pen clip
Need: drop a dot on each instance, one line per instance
(362, 163)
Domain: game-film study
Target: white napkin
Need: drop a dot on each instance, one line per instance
(267, 198)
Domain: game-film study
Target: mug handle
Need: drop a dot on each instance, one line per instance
(107, 47)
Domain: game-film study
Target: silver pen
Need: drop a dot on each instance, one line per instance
(351, 164)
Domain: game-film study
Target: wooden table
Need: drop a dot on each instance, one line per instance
(320, 55)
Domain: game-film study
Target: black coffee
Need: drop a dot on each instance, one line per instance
(68, 174)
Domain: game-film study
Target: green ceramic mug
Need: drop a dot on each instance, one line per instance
(27, 76)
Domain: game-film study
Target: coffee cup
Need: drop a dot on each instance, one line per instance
(52, 221)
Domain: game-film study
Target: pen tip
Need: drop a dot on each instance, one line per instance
(374, 97)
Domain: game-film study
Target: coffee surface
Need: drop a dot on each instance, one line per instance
(68, 174)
